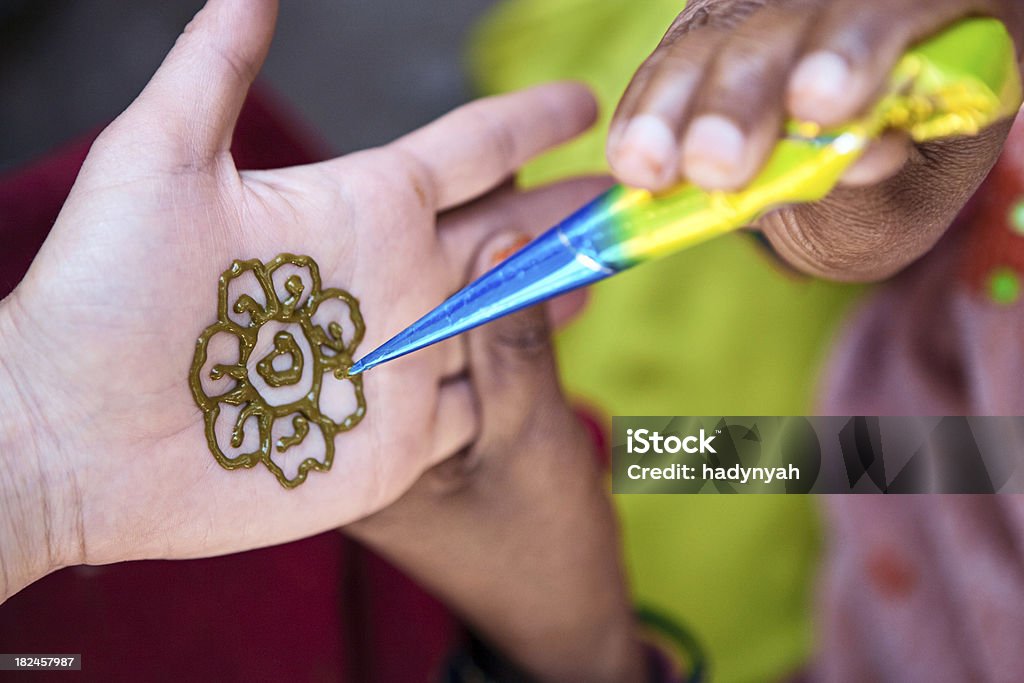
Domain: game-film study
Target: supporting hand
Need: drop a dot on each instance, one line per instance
(529, 554)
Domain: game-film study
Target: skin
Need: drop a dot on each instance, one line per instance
(529, 555)
(708, 105)
(103, 451)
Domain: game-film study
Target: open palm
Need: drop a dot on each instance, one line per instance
(109, 314)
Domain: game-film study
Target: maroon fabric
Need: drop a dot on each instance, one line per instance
(30, 200)
(321, 609)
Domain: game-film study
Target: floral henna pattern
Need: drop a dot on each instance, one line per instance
(298, 327)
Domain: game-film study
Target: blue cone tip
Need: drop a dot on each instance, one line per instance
(368, 361)
(358, 367)
(544, 268)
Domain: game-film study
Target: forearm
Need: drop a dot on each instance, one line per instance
(550, 595)
(36, 519)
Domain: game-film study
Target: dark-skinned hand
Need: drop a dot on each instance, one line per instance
(709, 104)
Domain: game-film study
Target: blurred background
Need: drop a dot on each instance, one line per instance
(70, 66)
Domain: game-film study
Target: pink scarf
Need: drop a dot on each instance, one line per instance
(931, 588)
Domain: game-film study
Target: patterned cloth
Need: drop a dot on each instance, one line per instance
(930, 588)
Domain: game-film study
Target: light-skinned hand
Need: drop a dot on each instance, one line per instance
(103, 455)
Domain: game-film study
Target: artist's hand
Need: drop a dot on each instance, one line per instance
(709, 103)
(529, 554)
(103, 451)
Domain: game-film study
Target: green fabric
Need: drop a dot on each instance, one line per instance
(719, 329)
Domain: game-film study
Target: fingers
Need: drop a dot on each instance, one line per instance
(503, 213)
(850, 54)
(709, 105)
(456, 422)
(881, 160)
(740, 110)
(474, 148)
(564, 309)
(643, 147)
(193, 100)
(643, 140)
(867, 233)
(511, 362)
(507, 211)
(453, 353)
(529, 213)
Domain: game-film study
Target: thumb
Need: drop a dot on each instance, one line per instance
(511, 361)
(193, 100)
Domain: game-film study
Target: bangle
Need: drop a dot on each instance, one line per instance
(474, 662)
(674, 653)
(671, 652)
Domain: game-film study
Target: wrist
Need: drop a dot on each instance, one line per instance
(579, 625)
(39, 515)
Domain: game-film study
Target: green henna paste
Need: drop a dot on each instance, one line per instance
(284, 344)
(330, 352)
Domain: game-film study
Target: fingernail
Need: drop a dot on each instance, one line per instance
(819, 86)
(713, 152)
(500, 253)
(496, 248)
(644, 156)
(615, 137)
